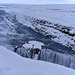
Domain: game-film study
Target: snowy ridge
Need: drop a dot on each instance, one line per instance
(13, 64)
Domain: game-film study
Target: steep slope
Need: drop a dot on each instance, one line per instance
(13, 64)
(7, 28)
(6, 25)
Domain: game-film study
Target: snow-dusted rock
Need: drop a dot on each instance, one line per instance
(33, 44)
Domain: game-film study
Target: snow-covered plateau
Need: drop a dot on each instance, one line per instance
(13, 64)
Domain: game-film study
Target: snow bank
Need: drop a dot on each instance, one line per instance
(13, 64)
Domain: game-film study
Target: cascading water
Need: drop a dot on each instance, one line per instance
(50, 55)
(58, 58)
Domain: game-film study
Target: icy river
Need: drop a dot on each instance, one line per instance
(26, 34)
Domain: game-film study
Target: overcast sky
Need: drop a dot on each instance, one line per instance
(38, 1)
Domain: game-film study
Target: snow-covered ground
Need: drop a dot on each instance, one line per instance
(13, 64)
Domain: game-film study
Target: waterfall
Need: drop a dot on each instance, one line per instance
(58, 58)
(23, 52)
(51, 56)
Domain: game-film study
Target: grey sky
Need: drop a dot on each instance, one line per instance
(38, 1)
